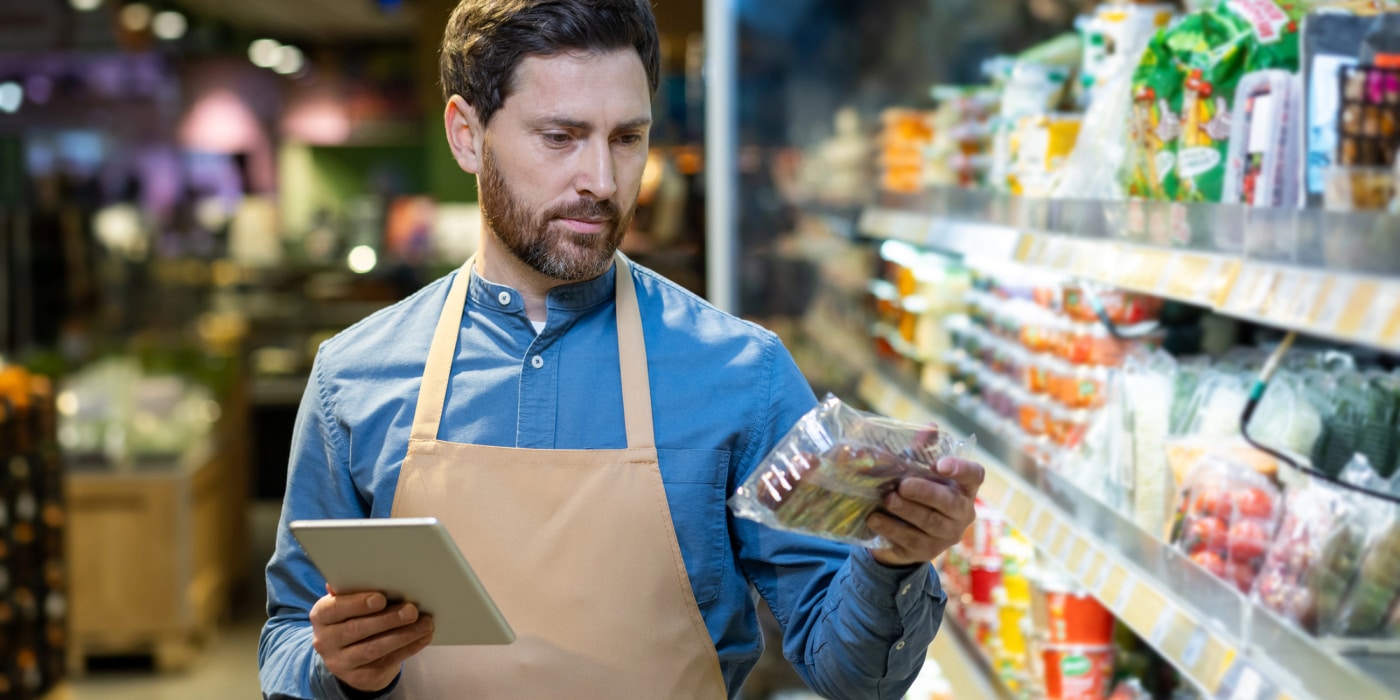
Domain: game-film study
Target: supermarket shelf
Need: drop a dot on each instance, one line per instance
(1214, 635)
(1335, 276)
(967, 669)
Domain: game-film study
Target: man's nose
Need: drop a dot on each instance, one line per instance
(597, 174)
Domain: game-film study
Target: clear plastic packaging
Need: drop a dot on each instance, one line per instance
(1147, 392)
(835, 467)
(1313, 557)
(1262, 167)
(1375, 588)
(1226, 516)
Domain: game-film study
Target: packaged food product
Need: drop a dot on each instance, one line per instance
(1077, 618)
(1147, 392)
(1039, 146)
(1226, 515)
(1330, 41)
(1262, 168)
(1067, 427)
(985, 579)
(1077, 673)
(1312, 558)
(834, 468)
(1033, 413)
(1183, 89)
(1375, 589)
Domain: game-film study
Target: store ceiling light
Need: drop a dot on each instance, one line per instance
(291, 61)
(362, 259)
(169, 25)
(136, 17)
(11, 97)
(265, 53)
(85, 5)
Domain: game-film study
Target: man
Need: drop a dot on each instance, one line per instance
(577, 426)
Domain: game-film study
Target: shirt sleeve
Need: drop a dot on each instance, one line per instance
(852, 627)
(319, 486)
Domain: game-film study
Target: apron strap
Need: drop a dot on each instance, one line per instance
(632, 353)
(631, 346)
(432, 394)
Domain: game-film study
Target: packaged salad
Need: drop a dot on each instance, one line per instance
(1183, 92)
(1313, 556)
(835, 467)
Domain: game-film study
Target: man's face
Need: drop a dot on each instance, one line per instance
(562, 160)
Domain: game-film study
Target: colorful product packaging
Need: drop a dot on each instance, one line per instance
(1183, 92)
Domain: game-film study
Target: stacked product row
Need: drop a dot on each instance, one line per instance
(1259, 102)
(1047, 638)
(33, 607)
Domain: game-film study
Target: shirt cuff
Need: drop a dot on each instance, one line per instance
(892, 587)
(331, 688)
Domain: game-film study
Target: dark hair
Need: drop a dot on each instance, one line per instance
(486, 39)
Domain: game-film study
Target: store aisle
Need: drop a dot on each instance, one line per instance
(228, 671)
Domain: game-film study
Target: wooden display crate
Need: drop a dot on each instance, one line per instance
(150, 573)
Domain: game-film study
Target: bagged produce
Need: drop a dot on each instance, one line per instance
(835, 467)
(1183, 92)
(1375, 587)
(1265, 141)
(1313, 556)
(1226, 515)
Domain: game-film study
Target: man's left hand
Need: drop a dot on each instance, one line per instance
(931, 516)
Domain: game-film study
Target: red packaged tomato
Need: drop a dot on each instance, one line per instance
(1225, 519)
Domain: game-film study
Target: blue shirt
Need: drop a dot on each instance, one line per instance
(724, 392)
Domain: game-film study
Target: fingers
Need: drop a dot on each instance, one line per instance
(965, 473)
(901, 535)
(944, 498)
(333, 609)
(373, 650)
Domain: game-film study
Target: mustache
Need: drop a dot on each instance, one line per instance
(586, 209)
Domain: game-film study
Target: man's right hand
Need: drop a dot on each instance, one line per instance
(363, 643)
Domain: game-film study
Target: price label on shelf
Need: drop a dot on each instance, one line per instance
(1188, 276)
(1194, 646)
(1286, 285)
(1244, 682)
(901, 407)
(1086, 565)
(1125, 595)
(1062, 548)
(1101, 579)
(1336, 294)
(1162, 627)
(1252, 290)
(1380, 314)
(1039, 521)
(1308, 300)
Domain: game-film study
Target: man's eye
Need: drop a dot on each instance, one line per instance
(557, 139)
(630, 139)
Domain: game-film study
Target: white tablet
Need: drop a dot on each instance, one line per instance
(408, 559)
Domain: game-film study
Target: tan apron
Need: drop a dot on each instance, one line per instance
(576, 547)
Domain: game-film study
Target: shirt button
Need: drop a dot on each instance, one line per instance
(899, 645)
(504, 298)
(537, 362)
(905, 590)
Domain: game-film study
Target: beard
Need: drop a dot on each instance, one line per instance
(539, 240)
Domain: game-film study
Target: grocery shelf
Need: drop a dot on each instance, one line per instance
(1203, 625)
(1329, 274)
(966, 667)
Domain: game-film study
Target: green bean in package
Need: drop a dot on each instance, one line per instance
(835, 467)
(1184, 90)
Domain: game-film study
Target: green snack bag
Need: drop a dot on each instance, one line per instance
(1184, 91)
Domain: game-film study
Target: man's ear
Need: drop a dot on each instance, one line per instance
(465, 134)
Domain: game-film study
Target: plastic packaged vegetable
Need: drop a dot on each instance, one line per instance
(1312, 558)
(1183, 90)
(834, 468)
(1147, 391)
(1376, 586)
(1226, 516)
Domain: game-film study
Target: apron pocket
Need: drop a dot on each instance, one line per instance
(695, 482)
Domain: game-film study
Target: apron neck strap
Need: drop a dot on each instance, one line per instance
(631, 346)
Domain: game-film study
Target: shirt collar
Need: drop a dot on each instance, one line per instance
(568, 297)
